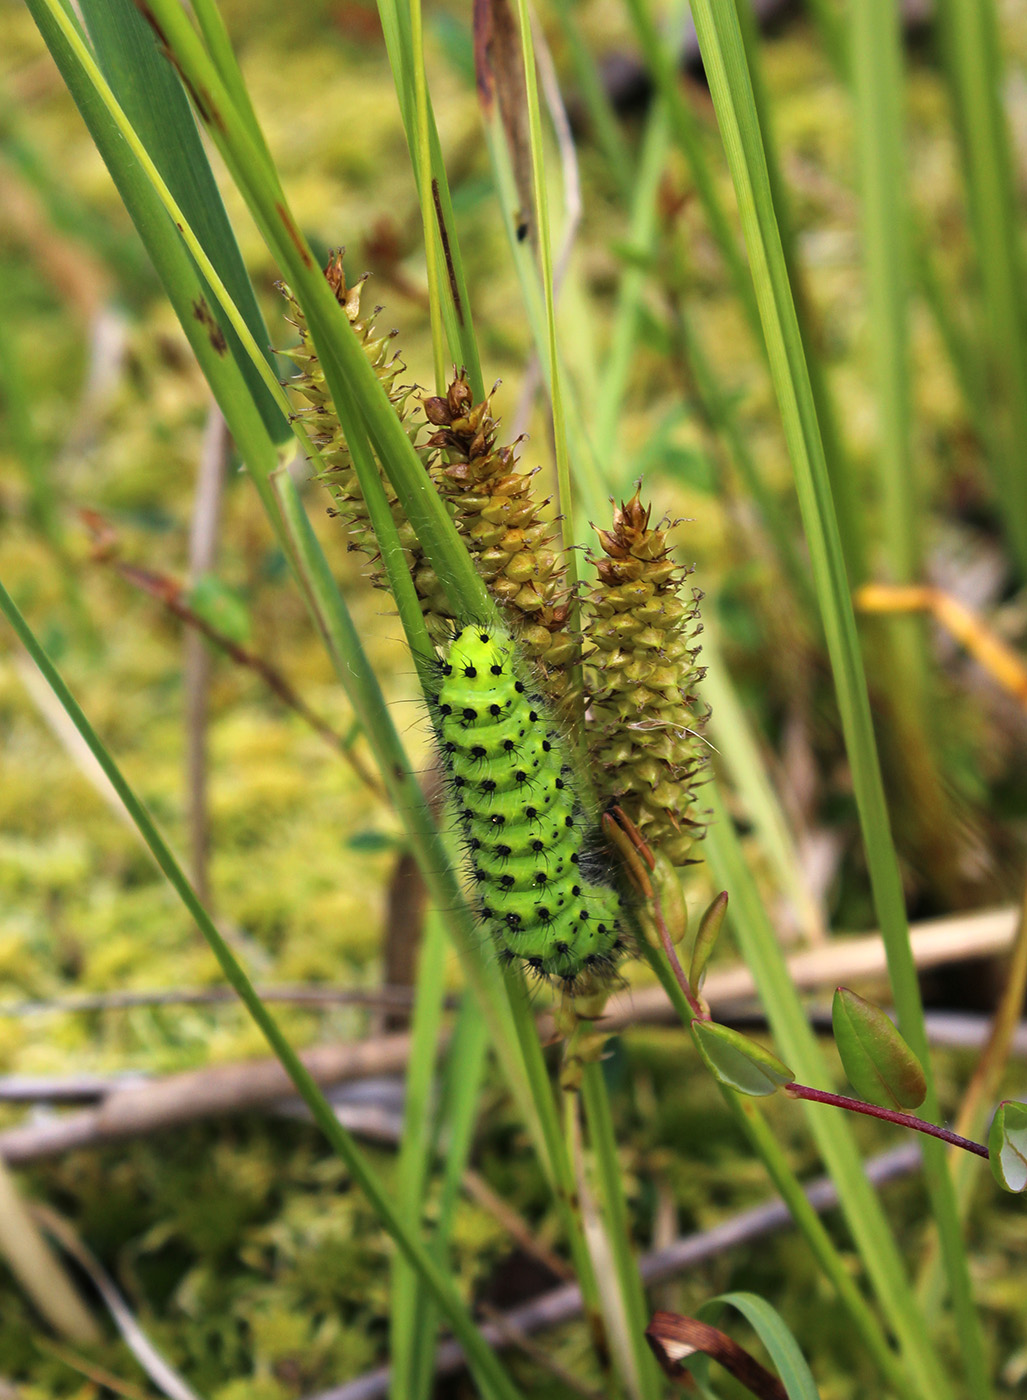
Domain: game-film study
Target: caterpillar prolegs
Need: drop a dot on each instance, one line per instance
(532, 857)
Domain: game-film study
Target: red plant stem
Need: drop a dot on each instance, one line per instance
(890, 1115)
(698, 1010)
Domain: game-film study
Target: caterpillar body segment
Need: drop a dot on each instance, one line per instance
(536, 871)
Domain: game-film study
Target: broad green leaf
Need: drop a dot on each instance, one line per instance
(880, 1065)
(1007, 1146)
(738, 1062)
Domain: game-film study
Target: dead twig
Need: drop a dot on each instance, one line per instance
(305, 994)
(514, 1337)
(945, 1030)
(160, 1104)
(846, 960)
(514, 1224)
(132, 1112)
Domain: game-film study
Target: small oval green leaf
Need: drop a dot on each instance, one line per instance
(880, 1065)
(709, 929)
(1007, 1146)
(738, 1062)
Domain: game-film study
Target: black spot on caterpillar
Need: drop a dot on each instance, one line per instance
(539, 882)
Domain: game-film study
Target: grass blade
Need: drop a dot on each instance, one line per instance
(610, 1192)
(724, 58)
(970, 48)
(773, 1333)
(490, 1374)
(877, 84)
(152, 98)
(641, 239)
(433, 185)
(459, 1095)
(411, 1344)
(900, 653)
(661, 63)
(795, 1041)
(565, 495)
(600, 112)
(366, 412)
(734, 738)
(750, 1119)
(185, 288)
(844, 485)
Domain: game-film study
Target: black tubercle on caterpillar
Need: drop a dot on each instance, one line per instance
(533, 857)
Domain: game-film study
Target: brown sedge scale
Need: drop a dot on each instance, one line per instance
(528, 838)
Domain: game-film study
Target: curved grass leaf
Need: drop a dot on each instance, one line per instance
(773, 1332)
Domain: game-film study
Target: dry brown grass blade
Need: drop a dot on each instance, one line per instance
(499, 69)
(70, 740)
(38, 1271)
(674, 1338)
(963, 624)
(983, 1088)
(99, 1375)
(979, 1098)
(167, 1380)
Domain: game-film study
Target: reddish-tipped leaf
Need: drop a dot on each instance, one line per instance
(880, 1065)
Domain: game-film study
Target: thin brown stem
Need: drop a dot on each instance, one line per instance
(170, 593)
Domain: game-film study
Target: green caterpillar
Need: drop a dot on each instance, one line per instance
(538, 879)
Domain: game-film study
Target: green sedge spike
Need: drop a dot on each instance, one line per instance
(645, 716)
